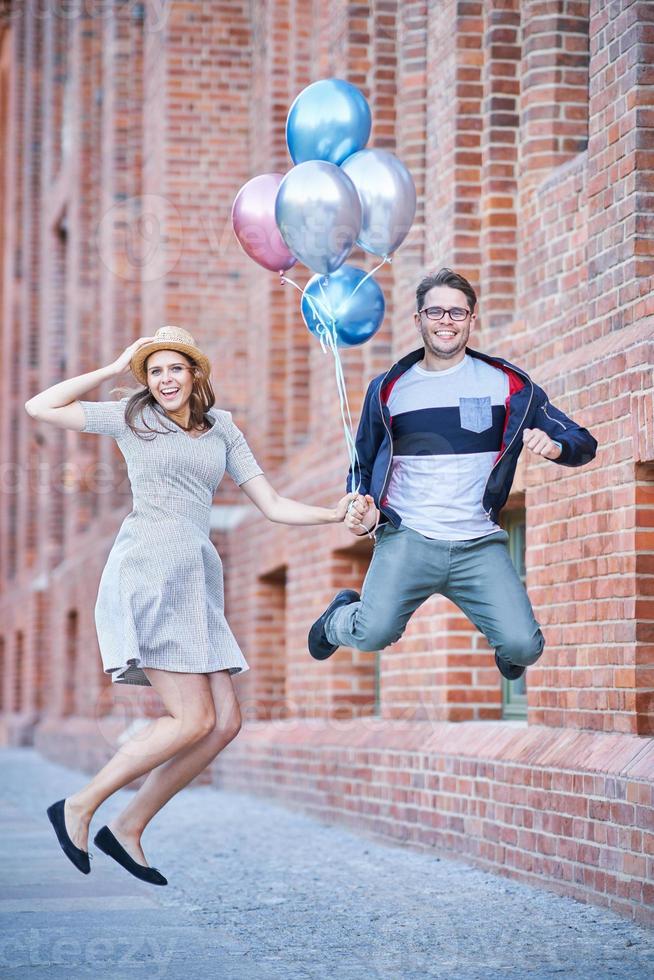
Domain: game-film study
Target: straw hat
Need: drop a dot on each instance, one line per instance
(168, 338)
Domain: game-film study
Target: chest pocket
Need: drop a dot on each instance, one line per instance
(476, 414)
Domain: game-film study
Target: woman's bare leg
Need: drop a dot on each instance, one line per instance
(189, 701)
(171, 776)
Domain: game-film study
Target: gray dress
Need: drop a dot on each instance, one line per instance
(161, 601)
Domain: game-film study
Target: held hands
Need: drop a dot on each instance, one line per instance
(342, 507)
(121, 363)
(361, 514)
(539, 443)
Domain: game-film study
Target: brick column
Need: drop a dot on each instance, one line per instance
(411, 140)
(122, 234)
(271, 350)
(500, 142)
(554, 99)
(22, 187)
(29, 354)
(50, 449)
(40, 444)
(375, 59)
(553, 131)
(454, 128)
(196, 138)
(302, 69)
(621, 164)
(82, 324)
(13, 271)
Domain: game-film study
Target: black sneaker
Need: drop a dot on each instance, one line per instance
(510, 671)
(319, 646)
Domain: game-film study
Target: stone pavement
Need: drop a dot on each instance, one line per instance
(258, 892)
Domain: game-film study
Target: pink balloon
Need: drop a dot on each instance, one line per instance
(253, 218)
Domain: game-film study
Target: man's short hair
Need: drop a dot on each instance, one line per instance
(446, 277)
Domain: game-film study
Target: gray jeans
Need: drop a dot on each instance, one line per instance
(477, 575)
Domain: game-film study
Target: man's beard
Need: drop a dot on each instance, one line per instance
(429, 343)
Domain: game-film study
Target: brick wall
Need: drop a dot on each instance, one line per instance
(528, 128)
(544, 805)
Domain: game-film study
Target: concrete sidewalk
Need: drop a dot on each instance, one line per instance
(260, 893)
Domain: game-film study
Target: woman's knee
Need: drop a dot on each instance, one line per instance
(522, 650)
(228, 728)
(188, 700)
(228, 713)
(198, 726)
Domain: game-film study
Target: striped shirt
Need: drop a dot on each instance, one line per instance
(447, 430)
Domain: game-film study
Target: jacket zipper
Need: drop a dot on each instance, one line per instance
(531, 395)
(550, 417)
(390, 438)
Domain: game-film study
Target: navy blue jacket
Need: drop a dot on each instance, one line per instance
(527, 406)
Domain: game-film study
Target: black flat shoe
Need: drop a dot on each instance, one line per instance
(80, 858)
(108, 843)
(510, 671)
(319, 646)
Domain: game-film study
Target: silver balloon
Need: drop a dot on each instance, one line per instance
(318, 213)
(388, 199)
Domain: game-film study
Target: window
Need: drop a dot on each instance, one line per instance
(70, 681)
(514, 693)
(644, 610)
(19, 666)
(269, 679)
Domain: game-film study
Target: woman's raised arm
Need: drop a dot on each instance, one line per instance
(59, 404)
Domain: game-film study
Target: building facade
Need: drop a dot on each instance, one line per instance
(528, 127)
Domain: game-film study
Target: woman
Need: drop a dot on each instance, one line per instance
(159, 613)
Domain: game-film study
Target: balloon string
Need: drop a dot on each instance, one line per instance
(326, 330)
(284, 279)
(369, 274)
(337, 362)
(328, 341)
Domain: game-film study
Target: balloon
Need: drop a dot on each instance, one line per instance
(329, 120)
(318, 213)
(358, 311)
(388, 199)
(253, 218)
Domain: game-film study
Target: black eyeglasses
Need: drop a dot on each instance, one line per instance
(437, 312)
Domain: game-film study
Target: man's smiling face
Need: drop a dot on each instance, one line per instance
(447, 337)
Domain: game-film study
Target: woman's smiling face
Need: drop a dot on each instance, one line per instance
(170, 378)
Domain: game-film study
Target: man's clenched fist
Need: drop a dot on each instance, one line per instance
(539, 442)
(361, 515)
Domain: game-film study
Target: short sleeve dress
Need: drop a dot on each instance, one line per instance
(161, 598)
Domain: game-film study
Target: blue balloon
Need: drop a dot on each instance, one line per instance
(357, 310)
(329, 120)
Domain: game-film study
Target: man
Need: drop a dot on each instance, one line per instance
(438, 443)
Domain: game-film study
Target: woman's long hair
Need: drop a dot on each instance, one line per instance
(201, 400)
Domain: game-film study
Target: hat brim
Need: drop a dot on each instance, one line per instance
(137, 363)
